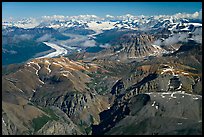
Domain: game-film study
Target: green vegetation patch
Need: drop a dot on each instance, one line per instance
(39, 122)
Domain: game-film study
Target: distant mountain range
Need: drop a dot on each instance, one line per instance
(96, 23)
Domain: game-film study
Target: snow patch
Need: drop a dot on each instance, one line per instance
(194, 24)
(37, 70)
(172, 95)
(162, 96)
(57, 64)
(3, 121)
(153, 103)
(46, 61)
(157, 47)
(179, 123)
(195, 98)
(41, 81)
(179, 86)
(170, 69)
(185, 73)
(66, 75)
(48, 68)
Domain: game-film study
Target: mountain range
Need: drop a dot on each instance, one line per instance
(118, 75)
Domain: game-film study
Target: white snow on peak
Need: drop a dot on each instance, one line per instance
(99, 27)
(125, 21)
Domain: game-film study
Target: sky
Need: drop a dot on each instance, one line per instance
(18, 10)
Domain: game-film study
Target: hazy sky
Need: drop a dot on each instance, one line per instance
(38, 9)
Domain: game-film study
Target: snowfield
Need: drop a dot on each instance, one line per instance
(98, 28)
